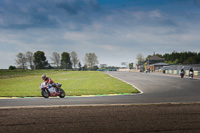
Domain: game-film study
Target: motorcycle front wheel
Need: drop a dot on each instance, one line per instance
(45, 93)
(62, 93)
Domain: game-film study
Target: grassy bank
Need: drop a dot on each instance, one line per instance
(26, 83)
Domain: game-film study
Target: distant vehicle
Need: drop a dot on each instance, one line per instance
(49, 90)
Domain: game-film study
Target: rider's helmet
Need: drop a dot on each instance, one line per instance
(44, 77)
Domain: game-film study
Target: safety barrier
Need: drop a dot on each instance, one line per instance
(163, 71)
(128, 70)
(178, 72)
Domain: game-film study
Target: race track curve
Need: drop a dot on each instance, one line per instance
(155, 89)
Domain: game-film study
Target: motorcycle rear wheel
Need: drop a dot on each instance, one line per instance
(62, 93)
(45, 93)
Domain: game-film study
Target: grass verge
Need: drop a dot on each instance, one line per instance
(75, 83)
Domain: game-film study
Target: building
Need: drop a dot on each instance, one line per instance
(140, 66)
(157, 66)
(154, 59)
(154, 63)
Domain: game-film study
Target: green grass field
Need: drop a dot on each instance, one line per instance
(20, 83)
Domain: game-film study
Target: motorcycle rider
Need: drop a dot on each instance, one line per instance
(182, 72)
(191, 72)
(49, 81)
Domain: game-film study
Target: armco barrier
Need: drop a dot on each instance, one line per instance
(178, 72)
(195, 72)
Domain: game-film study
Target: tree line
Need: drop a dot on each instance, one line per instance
(66, 60)
(174, 58)
(182, 58)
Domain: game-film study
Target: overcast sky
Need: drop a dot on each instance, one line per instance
(116, 30)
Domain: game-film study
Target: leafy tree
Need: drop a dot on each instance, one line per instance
(190, 60)
(130, 65)
(39, 60)
(91, 60)
(29, 56)
(166, 56)
(140, 58)
(182, 58)
(12, 67)
(21, 60)
(85, 68)
(56, 59)
(65, 61)
(198, 58)
(103, 65)
(95, 68)
(79, 66)
(74, 59)
(159, 55)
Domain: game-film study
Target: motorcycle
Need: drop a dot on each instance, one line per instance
(51, 90)
(191, 75)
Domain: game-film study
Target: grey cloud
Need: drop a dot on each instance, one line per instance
(46, 13)
(73, 7)
(186, 2)
(140, 18)
(195, 2)
(69, 8)
(23, 14)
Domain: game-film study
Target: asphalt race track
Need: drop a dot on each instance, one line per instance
(155, 89)
(166, 104)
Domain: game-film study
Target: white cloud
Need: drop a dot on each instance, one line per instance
(77, 36)
(7, 59)
(155, 14)
(110, 48)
